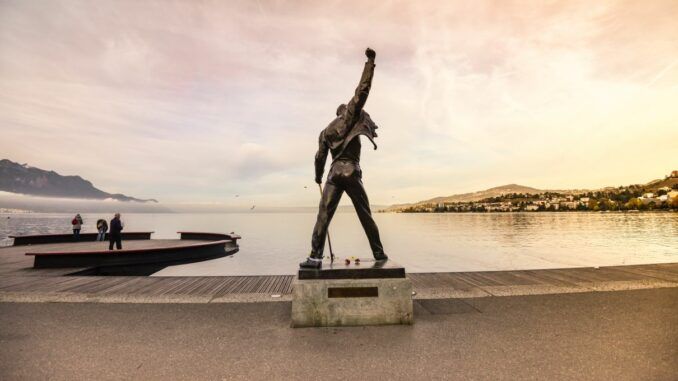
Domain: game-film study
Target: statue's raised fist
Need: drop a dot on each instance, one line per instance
(371, 54)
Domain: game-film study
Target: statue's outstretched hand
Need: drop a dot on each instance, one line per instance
(371, 54)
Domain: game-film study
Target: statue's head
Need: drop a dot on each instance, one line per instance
(341, 109)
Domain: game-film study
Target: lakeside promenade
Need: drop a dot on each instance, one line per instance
(625, 335)
(563, 324)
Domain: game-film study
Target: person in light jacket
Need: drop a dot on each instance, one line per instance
(77, 225)
(102, 228)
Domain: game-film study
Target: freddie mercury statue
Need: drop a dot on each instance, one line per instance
(342, 139)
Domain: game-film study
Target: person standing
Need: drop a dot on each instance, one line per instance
(77, 225)
(115, 236)
(102, 228)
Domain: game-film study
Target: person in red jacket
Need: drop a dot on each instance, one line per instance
(77, 225)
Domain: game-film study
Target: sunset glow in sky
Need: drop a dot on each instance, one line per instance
(202, 100)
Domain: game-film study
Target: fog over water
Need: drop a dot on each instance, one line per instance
(273, 243)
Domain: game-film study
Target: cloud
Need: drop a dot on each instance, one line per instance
(198, 101)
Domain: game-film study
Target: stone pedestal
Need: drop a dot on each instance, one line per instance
(371, 293)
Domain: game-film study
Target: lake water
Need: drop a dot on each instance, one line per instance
(273, 243)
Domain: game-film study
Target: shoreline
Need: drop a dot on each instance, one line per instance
(20, 282)
(341, 209)
(634, 211)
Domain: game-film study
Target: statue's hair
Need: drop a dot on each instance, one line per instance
(341, 109)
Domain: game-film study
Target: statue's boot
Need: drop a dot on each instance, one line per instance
(311, 263)
(380, 257)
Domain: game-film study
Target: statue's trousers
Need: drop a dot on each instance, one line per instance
(344, 176)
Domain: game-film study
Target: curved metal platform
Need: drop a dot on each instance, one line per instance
(192, 247)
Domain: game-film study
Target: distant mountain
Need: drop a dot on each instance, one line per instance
(20, 178)
(669, 181)
(474, 196)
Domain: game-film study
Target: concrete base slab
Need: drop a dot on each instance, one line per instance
(351, 302)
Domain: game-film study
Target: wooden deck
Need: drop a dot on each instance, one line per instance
(19, 281)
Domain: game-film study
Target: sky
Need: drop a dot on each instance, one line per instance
(200, 101)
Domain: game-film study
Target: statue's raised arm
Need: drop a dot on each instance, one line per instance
(355, 105)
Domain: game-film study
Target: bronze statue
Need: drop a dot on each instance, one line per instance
(342, 139)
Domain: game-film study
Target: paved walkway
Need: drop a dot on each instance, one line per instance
(627, 335)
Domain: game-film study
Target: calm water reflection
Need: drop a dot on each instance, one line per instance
(273, 243)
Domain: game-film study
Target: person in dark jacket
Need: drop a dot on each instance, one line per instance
(115, 236)
(342, 139)
(102, 228)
